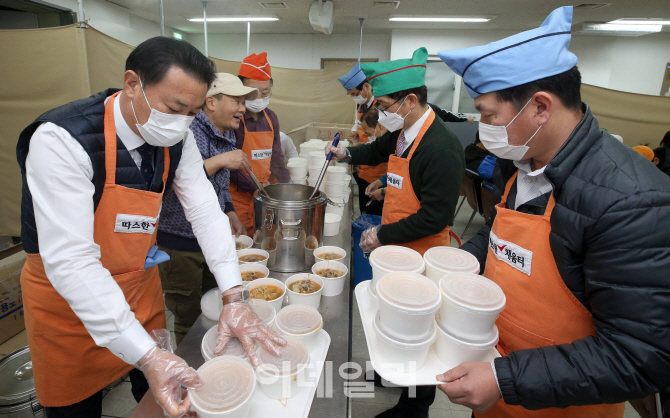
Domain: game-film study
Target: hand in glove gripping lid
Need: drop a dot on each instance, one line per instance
(369, 239)
(239, 320)
(166, 374)
(339, 152)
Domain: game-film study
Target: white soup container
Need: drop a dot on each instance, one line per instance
(230, 383)
(211, 304)
(319, 252)
(317, 158)
(391, 258)
(279, 376)
(245, 241)
(331, 224)
(337, 207)
(265, 311)
(253, 251)
(333, 285)
(336, 175)
(255, 267)
(301, 322)
(299, 180)
(335, 189)
(276, 303)
(407, 305)
(470, 305)
(395, 353)
(309, 299)
(445, 260)
(233, 348)
(297, 167)
(452, 350)
(314, 172)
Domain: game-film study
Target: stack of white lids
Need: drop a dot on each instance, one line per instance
(229, 382)
(397, 258)
(298, 319)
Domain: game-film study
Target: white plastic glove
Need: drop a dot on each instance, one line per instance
(239, 320)
(166, 374)
(369, 239)
(339, 153)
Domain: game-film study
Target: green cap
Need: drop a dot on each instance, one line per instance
(393, 76)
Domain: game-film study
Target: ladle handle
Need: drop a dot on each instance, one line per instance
(334, 144)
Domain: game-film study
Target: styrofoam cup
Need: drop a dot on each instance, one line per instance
(314, 172)
(407, 305)
(335, 174)
(317, 158)
(301, 322)
(337, 207)
(299, 180)
(390, 258)
(332, 286)
(310, 242)
(329, 249)
(331, 224)
(452, 350)
(309, 299)
(305, 149)
(277, 303)
(255, 267)
(470, 305)
(312, 182)
(335, 189)
(245, 240)
(347, 179)
(407, 356)
(254, 251)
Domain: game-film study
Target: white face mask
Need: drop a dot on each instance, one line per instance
(495, 140)
(258, 105)
(393, 121)
(360, 99)
(162, 129)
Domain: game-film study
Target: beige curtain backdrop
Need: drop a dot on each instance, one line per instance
(44, 68)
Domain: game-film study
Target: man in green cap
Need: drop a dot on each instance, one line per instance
(426, 167)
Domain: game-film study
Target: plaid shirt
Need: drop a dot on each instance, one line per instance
(211, 142)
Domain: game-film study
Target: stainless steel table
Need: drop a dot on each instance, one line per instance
(330, 399)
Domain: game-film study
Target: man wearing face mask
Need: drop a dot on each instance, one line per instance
(573, 241)
(360, 90)
(426, 162)
(94, 172)
(258, 136)
(186, 276)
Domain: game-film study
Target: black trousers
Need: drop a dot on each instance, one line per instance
(91, 407)
(420, 404)
(375, 207)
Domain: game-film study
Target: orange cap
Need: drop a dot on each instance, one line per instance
(646, 152)
(256, 67)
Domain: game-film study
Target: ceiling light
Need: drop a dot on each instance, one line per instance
(640, 22)
(441, 19)
(235, 19)
(617, 29)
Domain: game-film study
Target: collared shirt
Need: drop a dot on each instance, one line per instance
(530, 184)
(59, 174)
(413, 131)
(362, 109)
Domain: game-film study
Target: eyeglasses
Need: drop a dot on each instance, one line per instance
(378, 106)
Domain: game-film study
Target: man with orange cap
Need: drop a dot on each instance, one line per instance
(258, 136)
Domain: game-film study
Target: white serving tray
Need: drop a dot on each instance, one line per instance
(424, 376)
(299, 405)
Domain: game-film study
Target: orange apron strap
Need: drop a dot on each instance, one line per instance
(455, 235)
(110, 141)
(272, 129)
(419, 137)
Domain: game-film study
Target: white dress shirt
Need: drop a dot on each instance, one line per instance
(413, 131)
(530, 184)
(59, 174)
(287, 146)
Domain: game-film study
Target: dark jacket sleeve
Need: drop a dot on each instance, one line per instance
(376, 152)
(626, 271)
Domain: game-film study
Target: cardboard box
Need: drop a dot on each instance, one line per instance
(320, 130)
(11, 299)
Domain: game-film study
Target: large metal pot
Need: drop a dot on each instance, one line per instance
(17, 388)
(286, 221)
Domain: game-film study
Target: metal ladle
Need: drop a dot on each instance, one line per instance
(258, 184)
(325, 166)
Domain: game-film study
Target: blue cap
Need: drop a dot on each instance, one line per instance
(353, 78)
(517, 60)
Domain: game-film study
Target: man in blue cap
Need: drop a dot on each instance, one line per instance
(573, 240)
(360, 90)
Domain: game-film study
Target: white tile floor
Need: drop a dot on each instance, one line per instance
(119, 403)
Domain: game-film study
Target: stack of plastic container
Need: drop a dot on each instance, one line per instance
(335, 189)
(317, 159)
(297, 167)
(393, 258)
(404, 324)
(465, 325)
(444, 260)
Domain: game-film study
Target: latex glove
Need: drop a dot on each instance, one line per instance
(235, 160)
(373, 186)
(239, 320)
(472, 385)
(166, 374)
(339, 153)
(353, 136)
(369, 239)
(236, 225)
(376, 195)
(155, 257)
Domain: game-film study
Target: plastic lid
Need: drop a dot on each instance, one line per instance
(16, 378)
(472, 291)
(211, 304)
(399, 343)
(487, 341)
(263, 309)
(409, 291)
(397, 258)
(229, 382)
(294, 356)
(234, 347)
(452, 260)
(298, 319)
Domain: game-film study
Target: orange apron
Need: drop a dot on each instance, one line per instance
(369, 173)
(258, 147)
(68, 366)
(401, 201)
(541, 310)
